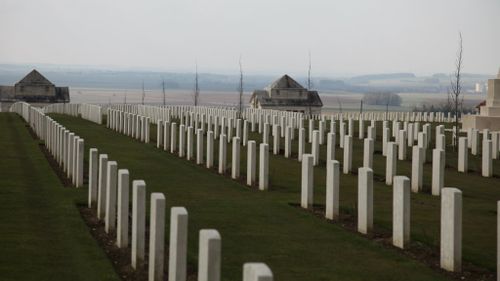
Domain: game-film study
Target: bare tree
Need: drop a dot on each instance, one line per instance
(340, 104)
(309, 85)
(196, 94)
(163, 89)
(309, 72)
(240, 98)
(455, 97)
(143, 93)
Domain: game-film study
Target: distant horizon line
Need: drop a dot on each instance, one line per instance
(215, 71)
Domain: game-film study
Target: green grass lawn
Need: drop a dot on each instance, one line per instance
(262, 226)
(480, 194)
(42, 236)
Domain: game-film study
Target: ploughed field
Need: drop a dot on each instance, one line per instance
(267, 226)
(42, 235)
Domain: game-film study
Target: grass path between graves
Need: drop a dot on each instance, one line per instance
(42, 236)
(254, 225)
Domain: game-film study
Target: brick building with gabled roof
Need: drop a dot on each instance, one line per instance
(34, 88)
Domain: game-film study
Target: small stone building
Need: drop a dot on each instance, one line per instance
(288, 95)
(34, 88)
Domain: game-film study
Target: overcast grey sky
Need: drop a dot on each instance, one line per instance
(344, 37)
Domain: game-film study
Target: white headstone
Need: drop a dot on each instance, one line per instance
(138, 221)
(93, 175)
(451, 229)
(209, 256)
(391, 162)
(401, 212)
(332, 189)
(157, 237)
(264, 166)
(123, 209)
(178, 244)
(251, 162)
(307, 187)
(347, 161)
(365, 200)
(111, 178)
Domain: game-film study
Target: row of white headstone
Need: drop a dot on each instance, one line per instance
(91, 112)
(109, 193)
(87, 111)
(410, 133)
(181, 140)
(133, 125)
(72, 109)
(66, 147)
(396, 151)
(259, 116)
(451, 208)
(451, 232)
(158, 112)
